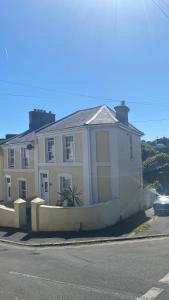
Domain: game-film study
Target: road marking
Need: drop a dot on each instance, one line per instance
(165, 279)
(151, 294)
(77, 286)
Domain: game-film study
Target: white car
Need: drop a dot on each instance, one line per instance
(161, 205)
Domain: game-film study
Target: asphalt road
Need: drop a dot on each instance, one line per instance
(125, 270)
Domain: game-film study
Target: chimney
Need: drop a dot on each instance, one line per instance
(39, 118)
(10, 136)
(122, 113)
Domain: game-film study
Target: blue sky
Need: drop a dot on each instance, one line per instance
(67, 55)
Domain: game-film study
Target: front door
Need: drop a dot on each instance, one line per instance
(44, 182)
(8, 188)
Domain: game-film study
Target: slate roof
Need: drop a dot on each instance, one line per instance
(25, 137)
(79, 118)
(96, 115)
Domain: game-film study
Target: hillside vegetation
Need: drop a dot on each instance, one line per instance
(155, 155)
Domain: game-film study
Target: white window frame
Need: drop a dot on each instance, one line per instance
(23, 158)
(47, 152)
(67, 176)
(11, 166)
(65, 148)
(19, 180)
(41, 172)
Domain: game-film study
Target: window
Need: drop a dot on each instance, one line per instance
(68, 151)
(131, 146)
(22, 189)
(11, 158)
(50, 150)
(65, 182)
(25, 158)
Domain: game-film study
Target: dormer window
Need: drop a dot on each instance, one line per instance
(50, 149)
(11, 158)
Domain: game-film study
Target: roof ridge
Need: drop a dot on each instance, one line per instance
(70, 115)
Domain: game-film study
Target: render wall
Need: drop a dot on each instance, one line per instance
(101, 164)
(1, 175)
(54, 172)
(18, 163)
(68, 219)
(15, 176)
(115, 173)
(58, 137)
(52, 218)
(130, 174)
(14, 218)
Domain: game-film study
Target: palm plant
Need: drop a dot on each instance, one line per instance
(71, 196)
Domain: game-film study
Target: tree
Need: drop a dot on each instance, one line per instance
(157, 161)
(156, 170)
(147, 150)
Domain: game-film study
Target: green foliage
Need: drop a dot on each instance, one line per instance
(156, 172)
(157, 186)
(71, 196)
(147, 151)
(157, 160)
(145, 226)
(164, 140)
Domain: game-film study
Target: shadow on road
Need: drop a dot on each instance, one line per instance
(121, 229)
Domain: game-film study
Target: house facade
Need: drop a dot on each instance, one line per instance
(96, 150)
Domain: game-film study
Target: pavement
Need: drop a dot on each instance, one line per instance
(159, 226)
(119, 231)
(119, 271)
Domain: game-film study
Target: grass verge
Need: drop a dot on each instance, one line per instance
(143, 227)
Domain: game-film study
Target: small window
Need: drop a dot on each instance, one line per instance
(68, 151)
(131, 146)
(22, 189)
(65, 182)
(50, 150)
(25, 158)
(11, 158)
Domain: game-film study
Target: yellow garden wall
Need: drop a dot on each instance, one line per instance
(16, 217)
(52, 218)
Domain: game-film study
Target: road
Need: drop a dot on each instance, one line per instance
(125, 270)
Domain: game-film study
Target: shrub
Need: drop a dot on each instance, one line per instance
(71, 196)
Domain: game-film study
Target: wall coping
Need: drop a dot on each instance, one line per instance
(19, 201)
(80, 207)
(7, 208)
